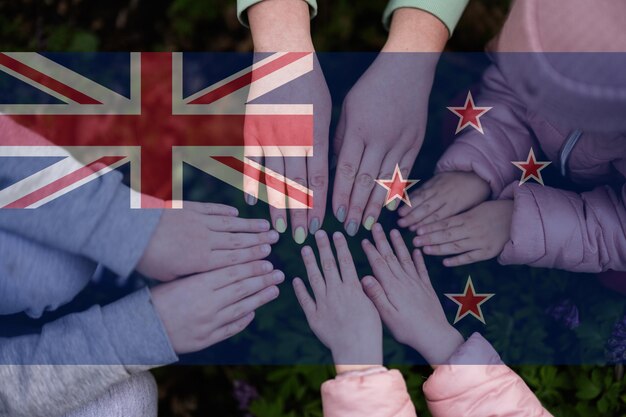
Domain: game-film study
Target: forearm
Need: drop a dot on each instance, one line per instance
(281, 25)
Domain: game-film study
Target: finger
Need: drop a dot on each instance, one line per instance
(211, 208)
(317, 167)
(276, 192)
(380, 268)
(223, 258)
(306, 301)
(420, 265)
(442, 236)
(296, 171)
(246, 240)
(376, 293)
(407, 161)
(450, 222)
(382, 244)
(452, 248)
(313, 272)
(251, 175)
(235, 273)
(231, 329)
(346, 263)
(466, 258)
(418, 197)
(327, 259)
(247, 305)
(402, 252)
(378, 195)
(347, 167)
(244, 288)
(362, 188)
(236, 224)
(422, 211)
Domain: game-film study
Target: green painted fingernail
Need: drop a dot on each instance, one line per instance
(299, 235)
(314, 226)
(341, 214)
(369, 222)
(352, 228)
(280, 226)
(393, 205)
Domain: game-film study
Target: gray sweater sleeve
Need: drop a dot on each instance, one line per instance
(79, 356)
(94, 220)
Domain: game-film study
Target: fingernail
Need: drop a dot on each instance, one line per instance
(267, 267)
(278, 277)
(299, 235)
(314, 226)
(266, 248)
(368, 282)
(352, 228)
(369, 222)
(393, 205)
(417, 241)
(280, 226)
(341, 214)
(274, 291)
(250, 199)
(264, 225)
(273, 235)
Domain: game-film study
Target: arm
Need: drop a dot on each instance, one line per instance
(560, 229)
(475, 382)
(80, 355)
(447, 12)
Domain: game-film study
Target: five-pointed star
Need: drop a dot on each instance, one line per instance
(469, 302)
(397, 186)
(469, 114)
(531, 168)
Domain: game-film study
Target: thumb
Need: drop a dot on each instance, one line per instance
(376, 293)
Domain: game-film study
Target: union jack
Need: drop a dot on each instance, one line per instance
(158, 123)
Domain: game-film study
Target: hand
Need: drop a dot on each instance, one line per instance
(478, 234)
(382, 125)
(341, 315)
(283, 26)
(446, 194)
(204, 309)
(405, 298)
(202, 237)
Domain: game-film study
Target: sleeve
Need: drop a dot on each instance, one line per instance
(561, 229)
(448, 11)
(506, 137)
(80, 356)
(95, 220)
(243, 5)
(476, 383)
(376, 392)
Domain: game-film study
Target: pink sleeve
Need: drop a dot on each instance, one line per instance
(376, 393)
(560, 229)
(476, 383)
(506, 137)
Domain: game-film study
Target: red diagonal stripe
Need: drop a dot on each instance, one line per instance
(45, 80)
(268, 180)
(63, 182)
(244, 80)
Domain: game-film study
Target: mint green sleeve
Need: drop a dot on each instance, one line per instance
(448, 11)
(242, 6)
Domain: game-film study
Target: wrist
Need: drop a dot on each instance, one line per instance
(281, 26)
(358, 356)
(414, 30)
(441, 346)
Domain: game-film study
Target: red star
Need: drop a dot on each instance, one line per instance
(531, 168)
(469, 114)
(469, 302)
(397, 186)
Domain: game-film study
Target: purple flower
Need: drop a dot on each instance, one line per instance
(244, 394)
(565, 313)
(616, 345)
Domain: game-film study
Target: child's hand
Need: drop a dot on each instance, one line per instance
(406, 300)
(204, 309)
(341, 315)
(445, 195)
(202, 237)
(478, 234)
